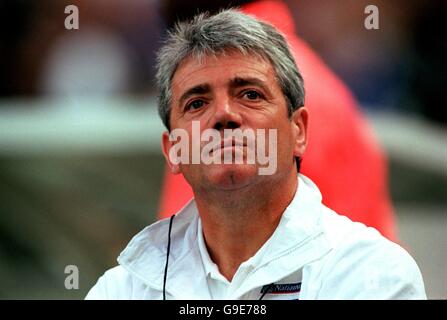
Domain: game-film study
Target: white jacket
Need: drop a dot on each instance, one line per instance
(313, 254)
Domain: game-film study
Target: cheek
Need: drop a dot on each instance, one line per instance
(283, 140)
(286, 140)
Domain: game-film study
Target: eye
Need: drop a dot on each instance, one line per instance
(252, 95)
(195, 104)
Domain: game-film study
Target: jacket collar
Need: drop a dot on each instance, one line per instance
(297, 241)
(145, 255)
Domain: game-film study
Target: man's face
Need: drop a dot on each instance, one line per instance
(233, 91)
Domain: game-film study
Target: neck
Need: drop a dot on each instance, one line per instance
(237, 223)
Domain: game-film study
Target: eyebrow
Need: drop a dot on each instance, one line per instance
(242, 82)
(236, 82)
(198, 89)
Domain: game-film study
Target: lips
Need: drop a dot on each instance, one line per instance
(228, 142)
(232, 143)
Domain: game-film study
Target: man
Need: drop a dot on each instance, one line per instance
(341, 140)
(247, 234)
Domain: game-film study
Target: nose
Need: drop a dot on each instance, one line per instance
(226, 115)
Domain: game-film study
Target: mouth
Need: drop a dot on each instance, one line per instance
(231, 143)
(228, 144)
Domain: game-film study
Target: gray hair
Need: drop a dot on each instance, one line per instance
(217, 34)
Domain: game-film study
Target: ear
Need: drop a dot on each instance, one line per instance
(299, 121)
(166, 145)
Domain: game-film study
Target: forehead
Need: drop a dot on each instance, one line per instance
(223, 67)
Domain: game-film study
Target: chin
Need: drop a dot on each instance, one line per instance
(232, 176)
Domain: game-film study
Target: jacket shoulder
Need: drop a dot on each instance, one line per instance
(363, 264)
(115, 284)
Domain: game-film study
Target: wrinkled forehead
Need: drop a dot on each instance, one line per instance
(225, 70)
(227, 62)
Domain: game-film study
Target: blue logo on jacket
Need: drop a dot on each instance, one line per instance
(279, 288)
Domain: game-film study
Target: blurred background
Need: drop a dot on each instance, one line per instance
(80, 164)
